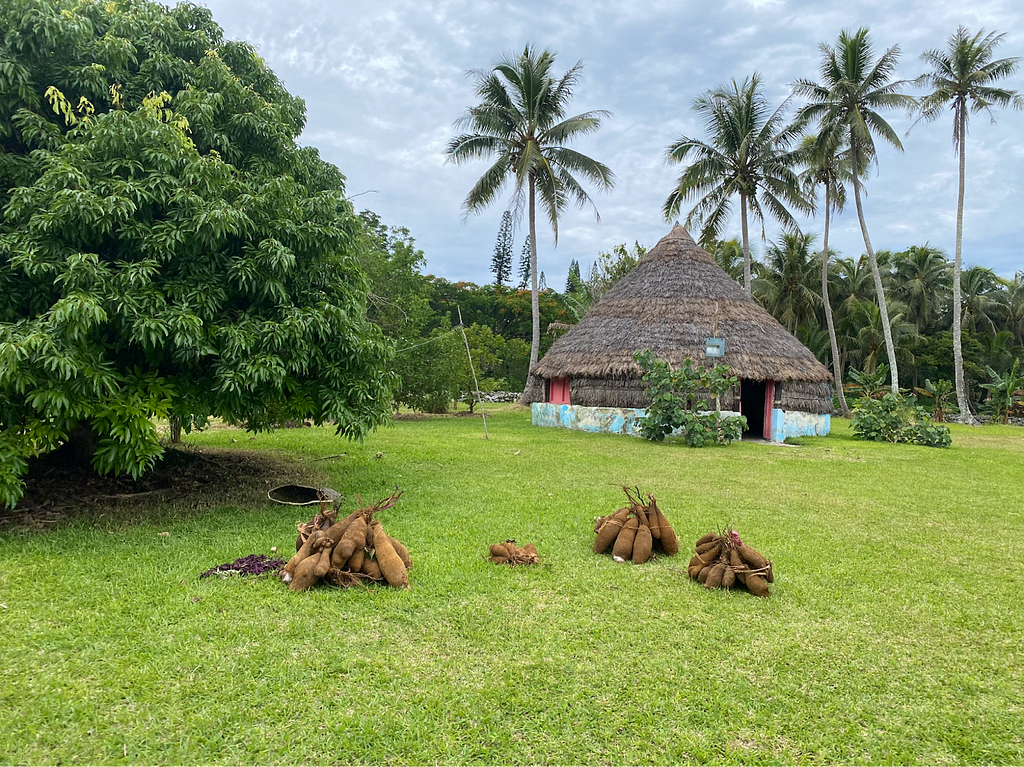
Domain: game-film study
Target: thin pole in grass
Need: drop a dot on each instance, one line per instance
(476, 386)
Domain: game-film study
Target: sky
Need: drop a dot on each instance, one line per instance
(384, 82)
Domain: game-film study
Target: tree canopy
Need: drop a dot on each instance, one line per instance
(166, 248)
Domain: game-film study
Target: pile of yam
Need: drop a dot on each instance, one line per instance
(637, 531)
(348, 551)
(722, 560)
(508, 553)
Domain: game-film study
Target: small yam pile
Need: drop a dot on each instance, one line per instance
(348, 551)
(723, 560)
(637, 531)
(508, 553)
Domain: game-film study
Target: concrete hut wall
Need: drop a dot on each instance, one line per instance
(615, 406)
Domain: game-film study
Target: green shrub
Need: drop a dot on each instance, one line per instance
(895, 419)
(678, 402)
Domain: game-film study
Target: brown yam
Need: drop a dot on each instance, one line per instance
(498, 550)
(710, 555)
(355, 562)
(752, 557)
(728, 578)
(371, 568)
(642, 516)
(609, 531)
(530, 550)
(391, 565)
(401, 551)
(324, 564)
(297, 557)
(769, 575)
(354, 536)
(642, 545)
(695, 560)
(337, 530)
(714, 579)
(707, 545)
(705, 571)
(500, 559)
(694, 570)
(668, 536)
(304, 575)
(738, 567)
(757, 585)
(623, 548)
(706, 539)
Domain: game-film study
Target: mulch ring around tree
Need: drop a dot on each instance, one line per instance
(57, 489)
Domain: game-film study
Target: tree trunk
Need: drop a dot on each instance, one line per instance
(175, 427)
(894, 372)
(958, 352)
(836, 372)
(532, 384)
(746, 244)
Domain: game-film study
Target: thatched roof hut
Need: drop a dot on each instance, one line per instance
(672, 302)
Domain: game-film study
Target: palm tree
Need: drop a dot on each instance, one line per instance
(749, 156)
(922, 282)
(982, 300)
(521, 121)
(828, 166)
(728, 254)
(788, 286)
(855, 87)
(963, 77)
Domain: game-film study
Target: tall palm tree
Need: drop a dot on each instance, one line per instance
(788, 286)
(854, 89)
(750, 156)
(922, 282)
(828, 166)
(521, 122)
(963, 78)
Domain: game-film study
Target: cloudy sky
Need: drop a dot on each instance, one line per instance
(383, 82)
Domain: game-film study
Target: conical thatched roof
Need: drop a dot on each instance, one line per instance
(670, 303)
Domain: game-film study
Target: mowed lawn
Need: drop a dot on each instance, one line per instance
(893, 632)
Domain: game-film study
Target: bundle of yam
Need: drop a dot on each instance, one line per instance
(637, 531)
(722, 560)
(508, 553)
(348, 551)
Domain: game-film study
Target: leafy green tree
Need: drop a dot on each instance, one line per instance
(847, 104)
(963, 78)
(749, 156)
(608, 269)
(1006, 391)
(983, 302)
(728, 254)
(574, 278)
(788, 286)
(827, 165)
(166, 248)
(521, 122)
(501, 261)
(525, 271)
(922, 281)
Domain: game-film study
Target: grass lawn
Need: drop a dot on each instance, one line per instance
(893, 633)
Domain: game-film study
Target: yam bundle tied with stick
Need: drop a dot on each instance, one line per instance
(721, 560)
(510, 553)
(637, 531)
(349, 551)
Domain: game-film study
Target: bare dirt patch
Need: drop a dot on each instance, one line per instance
(189, 477)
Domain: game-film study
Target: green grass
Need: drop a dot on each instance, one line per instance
(893, 633)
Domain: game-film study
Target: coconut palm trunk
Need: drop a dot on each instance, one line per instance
(746, 244)
(829, 322)
(875, 273)
(529, 395)
(958, 352)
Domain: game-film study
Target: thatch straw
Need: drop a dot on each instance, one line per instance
(670, 303)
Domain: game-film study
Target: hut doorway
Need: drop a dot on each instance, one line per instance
(756, 404)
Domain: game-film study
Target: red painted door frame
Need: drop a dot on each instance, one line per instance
(769, 401)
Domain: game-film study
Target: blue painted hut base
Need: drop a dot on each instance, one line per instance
(625, 420)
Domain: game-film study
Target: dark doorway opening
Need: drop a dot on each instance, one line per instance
(752, 395)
